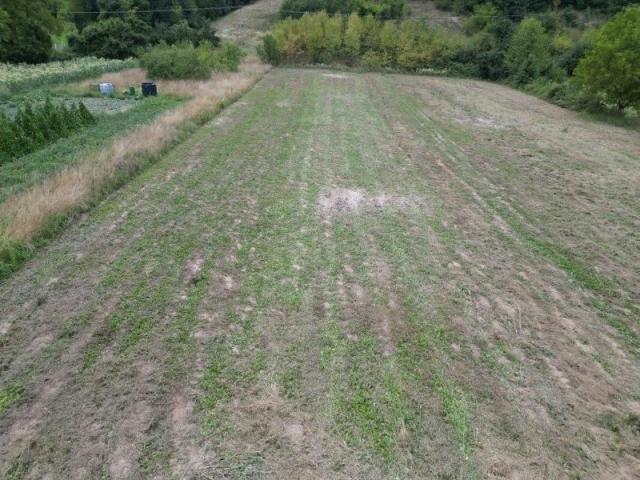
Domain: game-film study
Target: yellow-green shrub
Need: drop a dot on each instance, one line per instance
(317, 37)
(353, 35)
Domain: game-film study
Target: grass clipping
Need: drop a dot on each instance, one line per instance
(28, 215)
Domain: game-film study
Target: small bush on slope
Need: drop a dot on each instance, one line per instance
(529, 54)
(384, 9)
(184, 61)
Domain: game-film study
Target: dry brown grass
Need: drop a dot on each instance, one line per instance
(121, 79)
(23, 216)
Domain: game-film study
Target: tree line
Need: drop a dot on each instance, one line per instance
(104, 28)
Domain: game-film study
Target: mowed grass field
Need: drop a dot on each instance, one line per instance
(342, 276)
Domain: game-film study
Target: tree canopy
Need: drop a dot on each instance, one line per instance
(612, 67)
(25, 31)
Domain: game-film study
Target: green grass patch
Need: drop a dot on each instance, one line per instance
(18, 470)
(457, 412)
(582, 274)
(216, 384)
(10, 395)
(154, 457)
(370, 407)
(632, 338)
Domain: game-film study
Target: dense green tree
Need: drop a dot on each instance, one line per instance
(114, 37)
(612, 66)
(529, 53)
(25, 30)
(169, 21)
(83, 12)
(5, 30)
(383, 9)
(518, 9)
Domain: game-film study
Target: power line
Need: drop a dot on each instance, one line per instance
(157, 10)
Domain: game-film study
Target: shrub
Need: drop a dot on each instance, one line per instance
(389, 40)
(569, 59)
(34, 127)
(313, 35)
(384, 9)
(185, 61)
(182, 31)
(483, 15)
(364, 40)
(269, 52)
(169, 21)
(25, 31)
(491, 65)
(113, 37)
(612, 67)
(333, 36)
(375, 60)
(529, 53)
(353, 35)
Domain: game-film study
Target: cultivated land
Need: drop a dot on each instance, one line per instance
(342, 276)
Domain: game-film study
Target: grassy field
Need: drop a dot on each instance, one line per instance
(342, 276)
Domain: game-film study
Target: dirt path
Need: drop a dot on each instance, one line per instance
(342, 276)
(247, 25)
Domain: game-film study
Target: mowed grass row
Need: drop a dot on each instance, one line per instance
(603, 261)
(223, 317)
(288, 265)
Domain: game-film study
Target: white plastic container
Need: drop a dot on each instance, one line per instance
(106, 89)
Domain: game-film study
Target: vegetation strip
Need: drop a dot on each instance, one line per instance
(37, 213)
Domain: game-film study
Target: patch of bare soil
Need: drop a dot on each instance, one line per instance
(426, 10)
(332, 201)
(248, 25)
(338, 76)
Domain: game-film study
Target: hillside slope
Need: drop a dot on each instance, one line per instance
(342, 276)
(247, 25)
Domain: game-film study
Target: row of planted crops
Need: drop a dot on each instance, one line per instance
(15, 78)
(32, 123)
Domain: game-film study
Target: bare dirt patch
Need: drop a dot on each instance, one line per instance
(333, 201)
(248, 25)
(338, 76)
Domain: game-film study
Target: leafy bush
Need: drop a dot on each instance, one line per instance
(25, 31)
(269, 52)
(113, 37)
(183, 32)
(34, 127)
(519, 8)
(384, 9)
(365, 41)
(353, 35)
(184, 60)
(105, 32)
(529, 52)
(612, 67)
